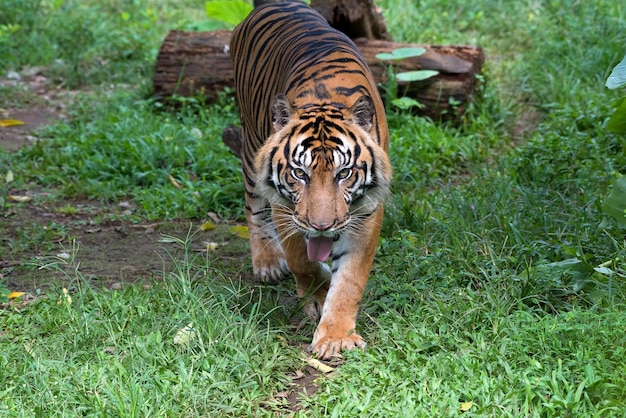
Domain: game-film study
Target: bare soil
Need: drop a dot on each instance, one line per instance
(105, 248)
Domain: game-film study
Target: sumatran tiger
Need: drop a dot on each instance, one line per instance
(315, 162)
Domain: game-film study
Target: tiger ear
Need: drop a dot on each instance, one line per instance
(363, 112)
(281, 111)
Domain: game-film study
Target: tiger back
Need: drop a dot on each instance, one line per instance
(315, 162)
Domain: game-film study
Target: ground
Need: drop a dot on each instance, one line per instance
(109, 250)
(109, 245)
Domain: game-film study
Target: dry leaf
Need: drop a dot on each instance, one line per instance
(19, 199)
(207, 226)
(240, 230)
(318, 365)
(185, 335)
(174, 182)
(214, 217)
(67, 296)
(4, 123)
(13, 295)
(466, 406)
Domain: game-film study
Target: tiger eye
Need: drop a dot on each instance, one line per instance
(299, 173)
(344, 173)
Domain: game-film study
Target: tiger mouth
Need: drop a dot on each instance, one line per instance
(320, 247)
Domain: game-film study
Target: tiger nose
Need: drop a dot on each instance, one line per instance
(321, 226)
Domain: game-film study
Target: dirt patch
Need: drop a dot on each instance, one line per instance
(100, 240)
(30, 98)
(13, 138)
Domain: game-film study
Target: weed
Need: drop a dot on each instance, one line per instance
(391, 88)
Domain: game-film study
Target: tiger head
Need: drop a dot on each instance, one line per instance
(324, 170)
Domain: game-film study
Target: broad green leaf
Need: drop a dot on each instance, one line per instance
(405, 103)
(230, 12)
(9, 177)
(615, 203)
(577, 267)
(618, 76)
(418, 75)
(617, 121)
(604, 270)
(401, 53)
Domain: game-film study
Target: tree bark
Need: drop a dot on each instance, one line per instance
(355, 18)
(191, 63)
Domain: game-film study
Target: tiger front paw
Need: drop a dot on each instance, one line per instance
(272, 272)
(331, 346)
(268, 259)
(270, 269)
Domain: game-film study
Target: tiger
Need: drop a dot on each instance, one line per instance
(314, 160)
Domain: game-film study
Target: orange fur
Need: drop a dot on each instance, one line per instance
(314, 156)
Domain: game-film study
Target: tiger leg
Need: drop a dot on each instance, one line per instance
(312, 277)
(352, 262)
(268, 259)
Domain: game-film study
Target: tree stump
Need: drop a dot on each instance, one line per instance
(191, 63)
(355, 18)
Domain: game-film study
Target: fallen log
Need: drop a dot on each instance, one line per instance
(191, 63)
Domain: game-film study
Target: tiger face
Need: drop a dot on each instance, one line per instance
(322, 167)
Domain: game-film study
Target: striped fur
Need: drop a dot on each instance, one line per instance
(315, 162)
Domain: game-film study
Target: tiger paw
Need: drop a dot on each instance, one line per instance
(328, 347)
(268, 259)
(271, 270)
(312, 309)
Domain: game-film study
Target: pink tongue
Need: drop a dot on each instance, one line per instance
(319, 248)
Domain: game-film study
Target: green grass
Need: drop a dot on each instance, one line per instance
(131, 146)
(115, 353)
(499, 280)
